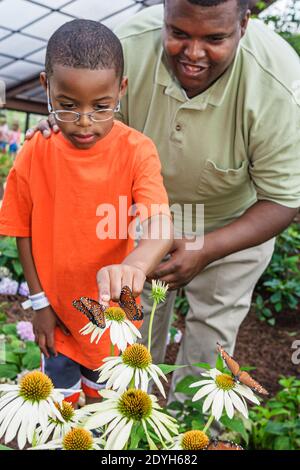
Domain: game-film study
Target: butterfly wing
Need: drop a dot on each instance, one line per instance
(79, 306)
(128, 304)
(215, 444)
(246, 379)
(232, 365)
(96, 310)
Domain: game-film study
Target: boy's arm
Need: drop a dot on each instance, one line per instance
(44, 320)
(155, 244)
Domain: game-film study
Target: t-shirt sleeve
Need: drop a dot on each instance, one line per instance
(16, 209)
(275, 153)
(149, 194)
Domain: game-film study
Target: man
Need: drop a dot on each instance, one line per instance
(217, 93)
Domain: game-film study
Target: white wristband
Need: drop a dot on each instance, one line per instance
(36, 301)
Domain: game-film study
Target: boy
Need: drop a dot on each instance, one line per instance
(54, 195)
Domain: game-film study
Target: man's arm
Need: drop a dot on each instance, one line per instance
(44, 320)
(155, 244)
(261, 222)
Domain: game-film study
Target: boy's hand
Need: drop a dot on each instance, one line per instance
(112, 278)
(44, 323)
(45, 127)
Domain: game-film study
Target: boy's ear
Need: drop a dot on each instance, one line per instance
(123, 87)
(43, 80)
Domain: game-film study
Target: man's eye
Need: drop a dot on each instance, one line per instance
(178, 34)
(216, 39)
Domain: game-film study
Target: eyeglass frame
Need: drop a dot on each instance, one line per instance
(78, 114)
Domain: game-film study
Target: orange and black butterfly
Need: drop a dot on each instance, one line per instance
(95, 311)
(215, 444)
(128, 304)
(241, 375)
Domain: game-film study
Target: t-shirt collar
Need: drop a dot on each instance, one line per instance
(214, 95)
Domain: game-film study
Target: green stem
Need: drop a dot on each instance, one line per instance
(112, 349)
(151, 324)
(208, 424)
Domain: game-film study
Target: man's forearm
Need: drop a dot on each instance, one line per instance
(26, 259)
(156, 243)
(261, 222)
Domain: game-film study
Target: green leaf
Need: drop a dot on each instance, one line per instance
(282, 443)
(11, 358)
(273, 427)
(2, 447)
(219, 363)
(8, 371)
(9, 329)
(183, 385)
(202, 365)
(236, 425)
(167, 368)
(31, 360)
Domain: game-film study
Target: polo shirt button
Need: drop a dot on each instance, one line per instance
(178, 127)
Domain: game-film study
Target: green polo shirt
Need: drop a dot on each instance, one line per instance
(235, 143)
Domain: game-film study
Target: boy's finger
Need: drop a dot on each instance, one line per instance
(115, 282)
(138, 283)
(30, 133)
(42, 345)
(103, 281)
(51, 344)
(63, 327)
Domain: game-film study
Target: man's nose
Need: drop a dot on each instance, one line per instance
(195, 51)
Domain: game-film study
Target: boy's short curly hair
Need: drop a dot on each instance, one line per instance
(85, 44)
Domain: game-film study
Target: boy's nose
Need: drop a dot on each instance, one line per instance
(84, 121)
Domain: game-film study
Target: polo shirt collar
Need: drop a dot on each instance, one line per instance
(214, 95)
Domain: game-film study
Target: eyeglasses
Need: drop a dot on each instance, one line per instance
(100, 115)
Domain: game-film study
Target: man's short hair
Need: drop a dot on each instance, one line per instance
(85, 44)
(243, 5)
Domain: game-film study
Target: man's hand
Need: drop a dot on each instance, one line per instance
(182, 266)
(44, 323)
(112, 278)
(45, 127)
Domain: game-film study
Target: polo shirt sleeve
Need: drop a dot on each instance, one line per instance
(274, 151)
(148, 191)
(15, 213)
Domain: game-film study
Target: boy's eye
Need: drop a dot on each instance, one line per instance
(67, 105)
(101, 106)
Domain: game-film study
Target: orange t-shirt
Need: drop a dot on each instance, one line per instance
(52, 195)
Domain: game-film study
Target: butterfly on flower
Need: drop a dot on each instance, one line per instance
(240, 375)
(216, 444)
(95, 311)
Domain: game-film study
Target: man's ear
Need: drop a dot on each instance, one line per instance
(244, 22)
(123, 87)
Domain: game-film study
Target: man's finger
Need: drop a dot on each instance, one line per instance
(103, 282)
(165, 269)
(52, 123)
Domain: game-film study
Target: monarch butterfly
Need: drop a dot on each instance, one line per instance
(95, 311)
(215, 444)
(239, 375)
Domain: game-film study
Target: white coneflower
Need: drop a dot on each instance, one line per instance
(221, 391)
(134, 367)
(121, 411)
(191, 440)
(122, 331)
(158, 291)
(57, 428)
(75, 439)
(25, 406)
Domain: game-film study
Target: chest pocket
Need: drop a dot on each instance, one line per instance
(215, 182)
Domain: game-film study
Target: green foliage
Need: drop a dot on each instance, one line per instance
(19, 355)
(181, 304)
(276, 424)
(5, 165)
(9, 257)
(279, 287)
